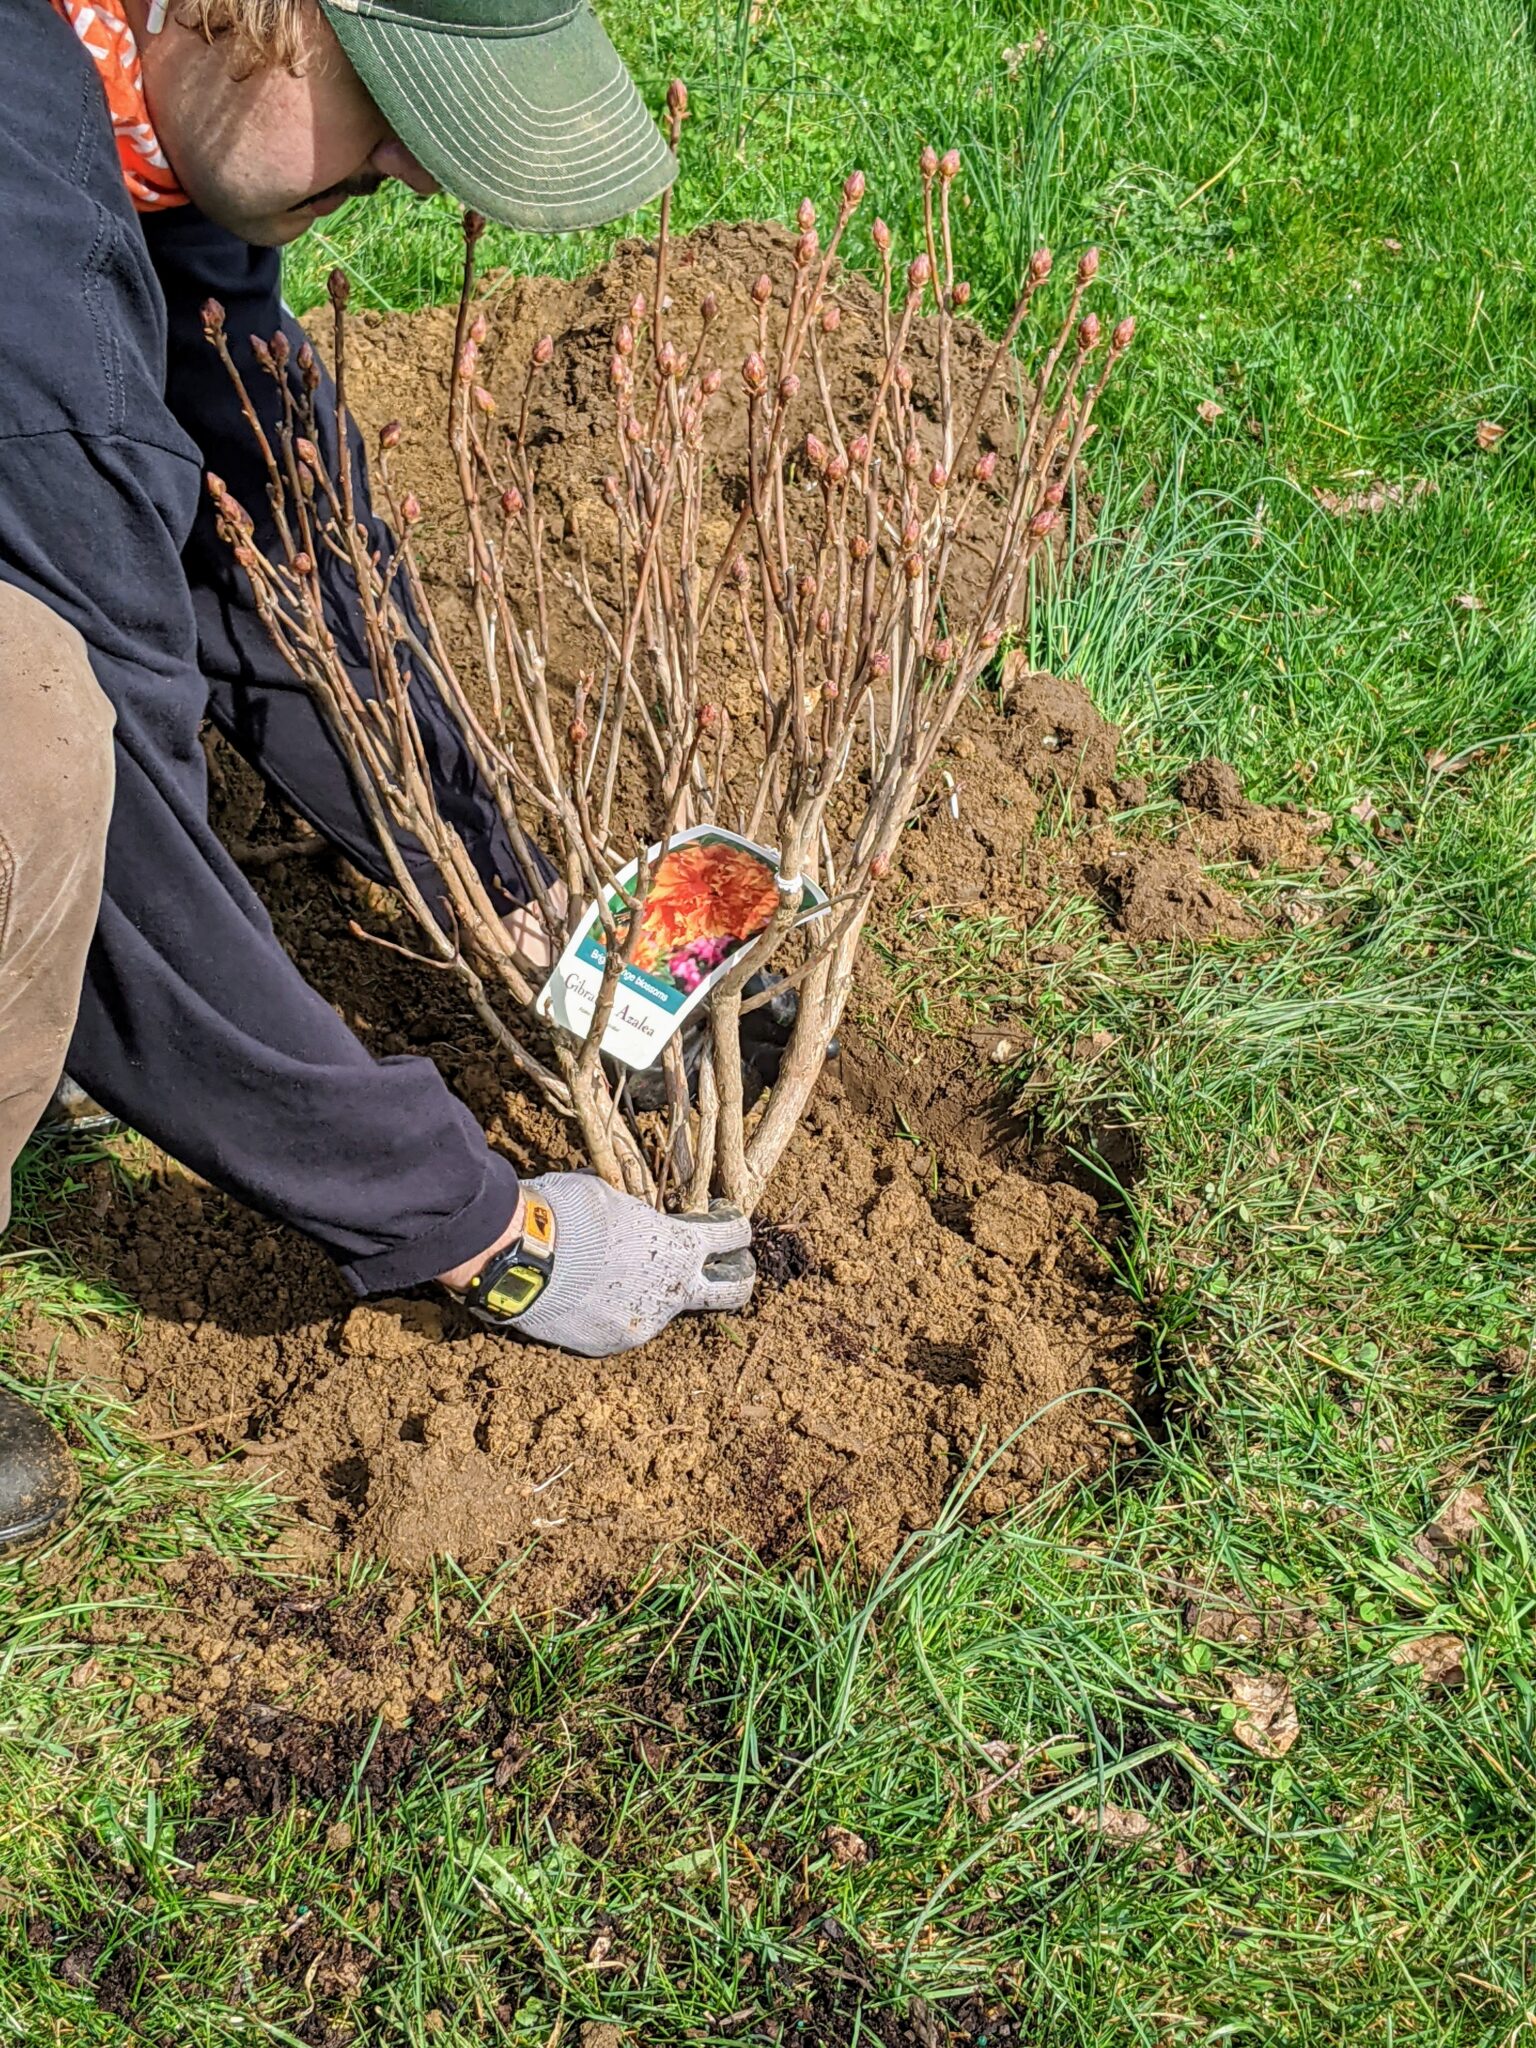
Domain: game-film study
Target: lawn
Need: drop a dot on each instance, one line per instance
(1003, 1793)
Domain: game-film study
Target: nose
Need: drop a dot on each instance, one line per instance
(393, 160)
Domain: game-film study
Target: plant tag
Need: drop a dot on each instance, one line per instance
(713, 891)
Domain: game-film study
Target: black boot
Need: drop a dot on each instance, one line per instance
(37, 1476)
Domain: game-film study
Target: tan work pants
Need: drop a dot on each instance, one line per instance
(55, 800)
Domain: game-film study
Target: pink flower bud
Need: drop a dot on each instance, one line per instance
(469, 356)
(829, 692)
(578, 732)
(410, 508)
(307, 452)
(389, 437)
(858, 450)
(1040, 266)
(1053, 494)
(710, 383)
(483, 399)
(611, 492)
(880, 663)
(949, 165)
(303, 563)
(754, 374)
(880, 866)
(919, 270)
(942, 652)
(1088, 266)
(805, 216)
(831, 319)
(1088, 331)
(912, 456)
(805, 589)
(280, 349)
(338, 287)
(910, 534)
(677, 99)
(789, 384)
(837, 470)
(666, 359)
(938, 477)
(637, 308)
(806, 250)
(634, 433)
(709, 306)
(307, 369)
(213, 318)
(853, 188)
(858, 547)
(543, 350)
(511, 501)
(961, 295)
(709, 718)
(479, 328)
(928, 162)
(824, 622)
(992, 638)
(624, 339)
(618, 372)
(1043, 521)
(261, 352)
(880, 235)
(815, 451)
(739, 571)
(762, 290)
(1121, 339)
(904, 380)
(986, 467)
(912, 569)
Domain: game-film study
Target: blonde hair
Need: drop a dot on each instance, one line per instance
(259, 32)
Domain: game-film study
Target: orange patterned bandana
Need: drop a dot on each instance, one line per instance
(103, 28)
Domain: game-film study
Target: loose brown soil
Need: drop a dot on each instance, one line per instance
(929, 1287)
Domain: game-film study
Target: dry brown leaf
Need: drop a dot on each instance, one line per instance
(845, 1846)
(1391, 242)
(1490, 434)
(1458, 1520)
(1267, 1721)
(1121, 1826)
(1469, 601)
(1438, 1657)
(1210, 411)
(1376, 496)
(1227, 1618)
(1365, 810)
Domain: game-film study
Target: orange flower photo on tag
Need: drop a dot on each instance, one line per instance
(706, 897)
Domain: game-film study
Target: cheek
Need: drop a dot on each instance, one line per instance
(307, 133)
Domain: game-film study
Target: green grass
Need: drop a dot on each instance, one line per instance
(1322, 215)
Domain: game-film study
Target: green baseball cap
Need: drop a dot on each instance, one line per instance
(521, 108)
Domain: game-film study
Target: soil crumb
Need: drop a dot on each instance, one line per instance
(930, 1284)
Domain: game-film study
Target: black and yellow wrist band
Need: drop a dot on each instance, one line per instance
(511, 1280)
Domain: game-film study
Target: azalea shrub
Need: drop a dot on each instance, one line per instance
(790, 681)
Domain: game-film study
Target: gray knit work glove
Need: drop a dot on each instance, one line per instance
(623, 1270)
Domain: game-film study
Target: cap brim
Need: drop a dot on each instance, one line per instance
(540, 131)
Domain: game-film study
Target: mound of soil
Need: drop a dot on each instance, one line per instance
(929, 1288)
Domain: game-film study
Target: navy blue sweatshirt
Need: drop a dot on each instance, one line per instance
(195, 1027)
